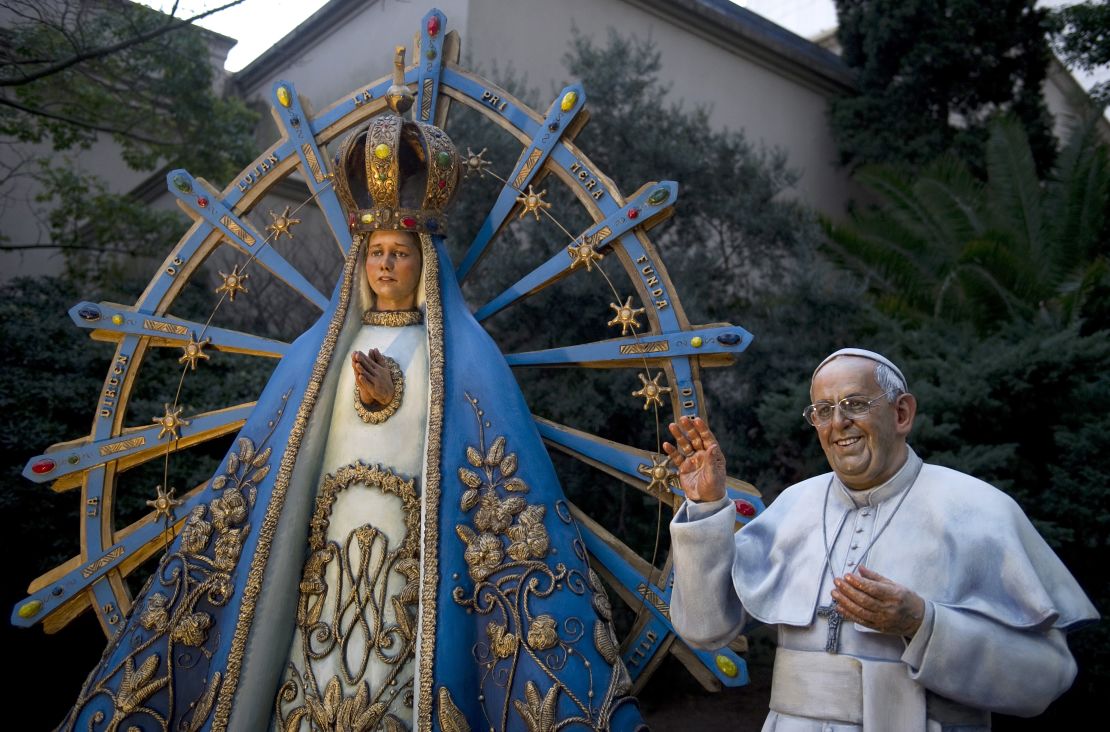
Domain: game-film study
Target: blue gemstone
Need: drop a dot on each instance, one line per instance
(295, 121)
(432, 224)
(89, 312)
(729, 339)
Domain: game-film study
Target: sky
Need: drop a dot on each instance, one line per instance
(258, 24)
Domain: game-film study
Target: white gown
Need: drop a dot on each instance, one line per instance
(351, 632)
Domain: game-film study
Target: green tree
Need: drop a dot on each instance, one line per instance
(943, 245)
(1082, 38)
(73, 73)
(931, 73)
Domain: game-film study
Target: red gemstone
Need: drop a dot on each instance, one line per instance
(442, 183)
(433, 25)
(633, 213)
(744, 508)
(352, 220)
(43, 466)
(408, 222)
(202, 202)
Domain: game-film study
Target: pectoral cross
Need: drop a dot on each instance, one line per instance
(829, 611)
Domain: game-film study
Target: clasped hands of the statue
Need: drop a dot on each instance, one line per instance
(864, 597)
(372, 376)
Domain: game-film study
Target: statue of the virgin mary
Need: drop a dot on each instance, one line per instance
(395, 553)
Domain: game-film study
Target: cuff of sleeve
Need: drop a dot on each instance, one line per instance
(914, 655)
(693, 511)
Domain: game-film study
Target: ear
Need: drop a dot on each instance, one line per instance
(905, 409)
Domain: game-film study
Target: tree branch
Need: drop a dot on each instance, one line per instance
(80, 123)
(114, 48)
(68, 247)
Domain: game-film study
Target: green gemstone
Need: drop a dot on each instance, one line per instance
(431, 54)
(657, 196)
(727, 665)
(181, 184)
(443, 159)
(73, 459)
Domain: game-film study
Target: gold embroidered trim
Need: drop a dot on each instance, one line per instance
(432, 483)
(377, 416)
(281, 485)
(393, 318)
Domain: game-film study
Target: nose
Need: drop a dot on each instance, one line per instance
(840, 419)
(386, 262)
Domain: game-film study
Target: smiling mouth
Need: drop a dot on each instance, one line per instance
(847, 441)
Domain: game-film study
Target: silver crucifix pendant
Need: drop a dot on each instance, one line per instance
(832, 644)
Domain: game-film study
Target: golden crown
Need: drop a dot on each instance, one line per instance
(397, 174)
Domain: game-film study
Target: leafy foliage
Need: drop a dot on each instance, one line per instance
(156, 98)
(932, 72)
(78, 74)
(1082, 38)
(942, 244)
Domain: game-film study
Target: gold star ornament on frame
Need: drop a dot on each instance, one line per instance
(282, 224)
(533, 202)
(625, 316)
(194, 351)
(583, 253)
(233, 283)
(164, 503)
(652, 391)
(475, 163)
(660, 474)
(171, 422)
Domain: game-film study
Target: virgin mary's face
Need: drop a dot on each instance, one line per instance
(393, 269)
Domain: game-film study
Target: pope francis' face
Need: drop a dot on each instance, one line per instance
(393, 269)
(864, 451)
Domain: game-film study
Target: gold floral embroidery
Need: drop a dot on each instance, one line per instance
(197, 531)
(155, 616)
(450, 718)
(538, 714)
(542, 634)
(507, 546)
(136, 687)
(377, 416)
(192, 629)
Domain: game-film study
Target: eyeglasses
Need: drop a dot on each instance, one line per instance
(821, 413)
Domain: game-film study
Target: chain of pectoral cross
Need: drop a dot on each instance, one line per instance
(830, 611)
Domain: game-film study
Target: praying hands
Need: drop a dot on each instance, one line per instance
(375, 386)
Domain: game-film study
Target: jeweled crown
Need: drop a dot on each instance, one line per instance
(396, 173)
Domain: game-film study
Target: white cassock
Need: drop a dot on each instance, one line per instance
(998, 601)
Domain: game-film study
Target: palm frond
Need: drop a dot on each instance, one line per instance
(1014, 191)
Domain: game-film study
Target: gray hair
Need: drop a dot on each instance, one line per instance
(889, 381)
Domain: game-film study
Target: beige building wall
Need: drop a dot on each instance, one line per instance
(23, 220)
(756, 78)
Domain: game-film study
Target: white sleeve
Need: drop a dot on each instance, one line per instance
(977, 661)
(705, 610)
